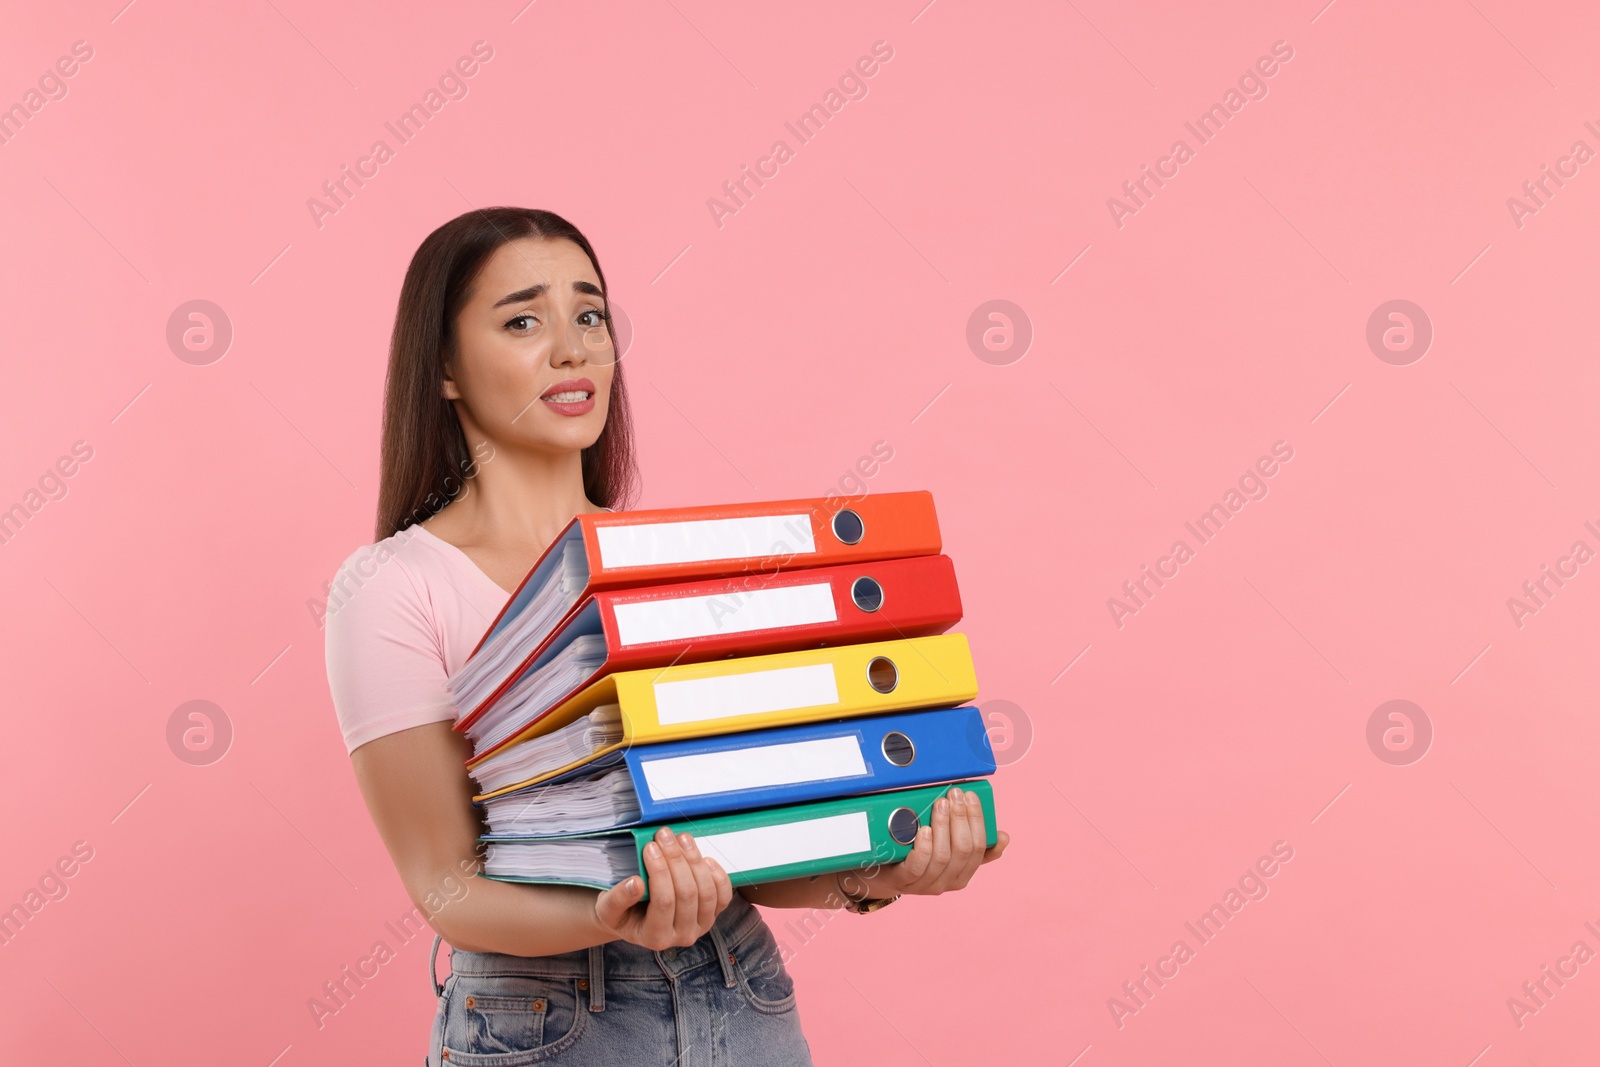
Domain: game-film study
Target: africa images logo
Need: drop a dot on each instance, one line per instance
(1252, 85)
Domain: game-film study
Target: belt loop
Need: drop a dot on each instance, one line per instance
(597, 978)
(433, 966)
(724, 956)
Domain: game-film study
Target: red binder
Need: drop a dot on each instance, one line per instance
(691, 622)
(656, 546)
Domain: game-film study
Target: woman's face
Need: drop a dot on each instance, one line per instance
(534, 359)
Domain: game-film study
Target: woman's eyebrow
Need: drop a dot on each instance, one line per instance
(534, 291)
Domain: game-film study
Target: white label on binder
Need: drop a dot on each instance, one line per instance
(697, 540)
(794, 842)
(756, 767)
(751, 693)
(681, 618)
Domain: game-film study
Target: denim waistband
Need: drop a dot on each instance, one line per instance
(737, 923)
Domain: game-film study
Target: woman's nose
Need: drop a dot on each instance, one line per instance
(567, 344)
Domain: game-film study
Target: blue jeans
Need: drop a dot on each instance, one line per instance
(725, 1000)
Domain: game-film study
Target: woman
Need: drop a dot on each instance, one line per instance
(505, 416)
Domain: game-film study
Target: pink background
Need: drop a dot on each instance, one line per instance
(770, 353)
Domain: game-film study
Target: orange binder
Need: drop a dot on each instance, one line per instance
(619, 549)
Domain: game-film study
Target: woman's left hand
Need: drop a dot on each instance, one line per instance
(945, 856)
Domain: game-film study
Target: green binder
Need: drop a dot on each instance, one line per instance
(763, 845)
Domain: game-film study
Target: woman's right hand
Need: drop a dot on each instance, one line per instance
(687, 892)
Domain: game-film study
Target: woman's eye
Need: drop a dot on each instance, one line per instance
(511, 324)
(596, 317)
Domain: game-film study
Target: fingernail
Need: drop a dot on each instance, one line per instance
(664, 834)
(941, 805)
(686, 842)
(652, 851)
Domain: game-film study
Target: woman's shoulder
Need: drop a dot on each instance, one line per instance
(410, 565)
(396, 572)
(386, 559)
(388, 638)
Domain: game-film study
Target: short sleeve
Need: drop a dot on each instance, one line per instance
(385, 655)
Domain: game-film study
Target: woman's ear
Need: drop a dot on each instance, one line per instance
(448, 388)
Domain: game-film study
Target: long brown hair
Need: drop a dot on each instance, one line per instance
(425, 461)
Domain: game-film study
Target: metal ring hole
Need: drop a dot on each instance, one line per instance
(903, 825)
(882, 675)
(866, 593)
(898, 749)
(848, 527)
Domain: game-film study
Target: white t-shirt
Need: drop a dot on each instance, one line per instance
(403, 615)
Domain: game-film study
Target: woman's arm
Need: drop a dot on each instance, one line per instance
(417, 788)
(945, 856)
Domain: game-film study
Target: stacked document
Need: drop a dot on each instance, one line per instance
(693, 622)
(783, 764)
(538, 689)
(598, 861)
(743, 693)
(581, 741)
(744, 662)
(499, 656)
(763, 845)
(602, 800)
(612, 550)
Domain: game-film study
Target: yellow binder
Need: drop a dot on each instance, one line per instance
(749, 692)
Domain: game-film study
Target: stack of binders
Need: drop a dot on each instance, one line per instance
(774, 678)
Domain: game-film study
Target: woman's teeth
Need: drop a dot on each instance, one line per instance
(568, 398)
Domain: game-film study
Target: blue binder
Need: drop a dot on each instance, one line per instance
(781, 765)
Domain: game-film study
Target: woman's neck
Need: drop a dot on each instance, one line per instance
(516, 499)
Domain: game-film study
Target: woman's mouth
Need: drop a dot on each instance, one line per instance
(573, 397)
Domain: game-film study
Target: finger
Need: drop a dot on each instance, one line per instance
(995, 851)
(960, 843)
(723, 883)
(912, 871)
(705, 888)
(611, 906)
(685, 888)
(978, 833)
(980, 829)
(663, 892)
(960, 831)
(941, 834)
(934, 881)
